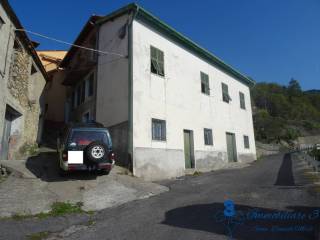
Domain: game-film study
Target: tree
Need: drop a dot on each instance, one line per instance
(294, 88)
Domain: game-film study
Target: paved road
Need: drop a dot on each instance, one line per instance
(274, 185)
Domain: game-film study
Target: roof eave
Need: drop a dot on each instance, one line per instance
(27, 42)
(144, 15)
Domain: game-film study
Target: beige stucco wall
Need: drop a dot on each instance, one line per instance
(55, 92)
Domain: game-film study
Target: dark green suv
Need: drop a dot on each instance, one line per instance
(85, 146)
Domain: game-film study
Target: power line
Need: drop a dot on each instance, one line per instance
(70, 44)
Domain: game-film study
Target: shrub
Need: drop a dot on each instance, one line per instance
(29, 149)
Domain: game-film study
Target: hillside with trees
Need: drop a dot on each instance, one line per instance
(284, 112)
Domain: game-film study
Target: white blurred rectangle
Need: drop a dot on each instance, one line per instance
(75, 157)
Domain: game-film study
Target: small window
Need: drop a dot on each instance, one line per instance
(205, 83)
(246, 141)
(242, 101)
(73, 100)
(86, 117)
(1, 23)
(208, 136)
(225, 93)
(17, 45)
(78, 94)
(158, 130)
(157, 61)
(83, 91)
(91, 82)
(33, 69)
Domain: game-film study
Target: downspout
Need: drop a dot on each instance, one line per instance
(97, 26)
(130, 91)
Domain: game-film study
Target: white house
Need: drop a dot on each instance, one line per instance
(170, 105)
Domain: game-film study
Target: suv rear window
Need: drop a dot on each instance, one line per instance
(82, 137)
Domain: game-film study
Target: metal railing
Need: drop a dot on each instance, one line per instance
(311, 161)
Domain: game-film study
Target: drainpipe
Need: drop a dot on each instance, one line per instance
(130, 90)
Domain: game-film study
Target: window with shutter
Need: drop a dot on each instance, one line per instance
(157, 61)
(225, 93)
(242, 101)
(205, 83)
(246, 141)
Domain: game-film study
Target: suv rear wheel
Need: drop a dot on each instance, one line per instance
(96, 151)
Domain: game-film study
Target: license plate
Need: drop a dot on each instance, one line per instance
(75, 157)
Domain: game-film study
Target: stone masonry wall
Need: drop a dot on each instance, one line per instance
(20, 86)
(19, 75)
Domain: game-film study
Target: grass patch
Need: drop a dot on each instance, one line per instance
(61, 208)
(19, 217)
(57, 209)
(38, 236)
(196, 173)
(91, 222)
(29, 149)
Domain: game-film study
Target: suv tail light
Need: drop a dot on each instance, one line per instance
(65, 156)
(111, 156)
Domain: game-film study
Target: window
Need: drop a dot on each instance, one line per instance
(82, 137)
(86, 117)
(89, 86)
(83, 91)
(246, 141)
(205, 83)
(208, 136)
(33, 69)
(73, 100)
(157, 61)
(91, 82)
(158, 130)
(225, 93)
(1, 23)
(242, 101)
(78, 94)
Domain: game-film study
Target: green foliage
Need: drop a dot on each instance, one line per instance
(276, 107)
(38, 236)
(57, 209)
(29, 149)
(315, 153)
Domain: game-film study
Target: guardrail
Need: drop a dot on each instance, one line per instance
(311, 161)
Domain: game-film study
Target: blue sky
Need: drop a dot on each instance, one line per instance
(271, 40)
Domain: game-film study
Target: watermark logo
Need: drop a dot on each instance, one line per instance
(272, 220)
(230, 217)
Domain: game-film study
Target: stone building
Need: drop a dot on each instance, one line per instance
(22, 78)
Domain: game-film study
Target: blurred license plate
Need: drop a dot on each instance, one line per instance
(75, 157)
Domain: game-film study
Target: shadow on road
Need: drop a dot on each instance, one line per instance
(207, 217)
(285, 174)
(46, 167)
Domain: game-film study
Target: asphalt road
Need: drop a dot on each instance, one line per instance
(273, 200)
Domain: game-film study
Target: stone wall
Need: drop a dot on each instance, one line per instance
(24, 90)
(18, 84)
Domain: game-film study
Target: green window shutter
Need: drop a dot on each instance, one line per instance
(242, 101)
(157, 61)
(225, 93)
(246, 141)
(205, 83)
